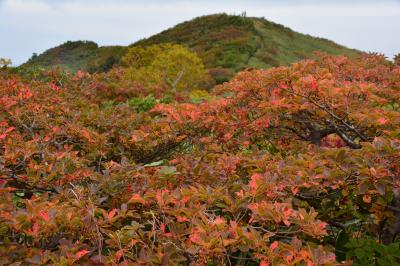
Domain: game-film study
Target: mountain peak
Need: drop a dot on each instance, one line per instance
(226, 43)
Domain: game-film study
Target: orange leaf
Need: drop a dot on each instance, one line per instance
(313, 85)
(219, 220)
(81, 253)
(8, 130)
(255, 181)
(44, 215)
(382, 121)
(274, 245)
(182, 219)
(136, 198)
(367, 199)
(119, 254)
(111, 214)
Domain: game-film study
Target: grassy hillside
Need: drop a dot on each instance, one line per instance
(227, 44)
(76, 55)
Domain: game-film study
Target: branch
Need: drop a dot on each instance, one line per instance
(176, 81)
(24, 187)
(346, 138)
(297, 132)
(333, 115)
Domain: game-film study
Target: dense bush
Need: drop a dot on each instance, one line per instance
(170, 65)
(143, 104)
(293, 165)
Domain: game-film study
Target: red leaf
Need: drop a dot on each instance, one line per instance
(219, 221)
(314, 85)
(81, 253)
(246, 143)
(255, 181)
(111, 214)
(382, 121)
(274, 245)
(119, 254)
(182, 219)
(8, 130)
(44, 215)
(136, 198)
(367, 199)
(34, 230)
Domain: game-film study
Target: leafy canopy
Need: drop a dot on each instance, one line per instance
(294, 165)
(170, 65)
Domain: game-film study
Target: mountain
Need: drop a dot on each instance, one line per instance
(226, 43)
(85, 55)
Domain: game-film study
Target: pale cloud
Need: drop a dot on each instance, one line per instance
(28, 26)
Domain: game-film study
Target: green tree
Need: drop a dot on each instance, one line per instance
(171, 65)
(138, 56)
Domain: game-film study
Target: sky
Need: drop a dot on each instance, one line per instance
(33, 26)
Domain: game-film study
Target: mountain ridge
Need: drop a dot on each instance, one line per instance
(227, 44)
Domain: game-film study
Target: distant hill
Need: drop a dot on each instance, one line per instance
(84, 55)
(226, 43)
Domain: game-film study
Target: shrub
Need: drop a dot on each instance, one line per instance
(169, 64)
(143, 104)
(293, 165)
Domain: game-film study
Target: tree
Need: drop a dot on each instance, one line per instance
(267, 169)
(397, 59)
(4, 63)
(171, 65)
(139, 56)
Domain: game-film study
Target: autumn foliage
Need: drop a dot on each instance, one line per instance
(292, 165)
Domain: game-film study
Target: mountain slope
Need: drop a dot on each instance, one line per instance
(85, 55)
(227, 44)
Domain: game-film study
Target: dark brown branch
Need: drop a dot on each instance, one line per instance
(23, 187)
(329, 112)
(297, 132)
(346, 138)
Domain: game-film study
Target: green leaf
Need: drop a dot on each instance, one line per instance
(168, 170)
(340, 246)
(153, 164)
(384, 262)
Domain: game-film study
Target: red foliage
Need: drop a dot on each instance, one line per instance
(269, 171)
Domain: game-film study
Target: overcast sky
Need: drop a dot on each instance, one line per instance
(28, 26)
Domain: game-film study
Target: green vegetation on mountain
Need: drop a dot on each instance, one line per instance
(225, 43)
(228, 44)
(172, 66)
(85, 55)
